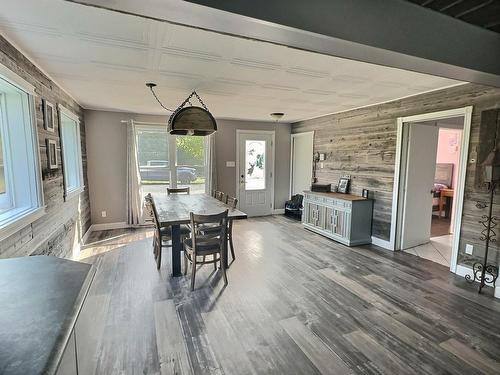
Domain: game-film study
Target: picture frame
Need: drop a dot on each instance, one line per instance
(343, 185)
(365, 193)
(49, 116)
(52, 155)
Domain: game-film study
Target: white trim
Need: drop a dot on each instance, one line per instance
(74, 193)
(21, 221)
(464, 270)
(85, 237)
(466, 112)
(108, 226)
(14, 79)
(68, 113)
(382, 243)
(273, 150)
(292, 139)
(279, 211)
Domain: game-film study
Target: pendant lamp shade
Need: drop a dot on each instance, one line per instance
(192, 120)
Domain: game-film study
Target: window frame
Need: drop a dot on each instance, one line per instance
(71, 192)
(15, 219)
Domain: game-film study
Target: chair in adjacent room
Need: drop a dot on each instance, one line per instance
(206, 245)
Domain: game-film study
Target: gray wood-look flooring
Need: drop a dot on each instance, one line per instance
(296, 303)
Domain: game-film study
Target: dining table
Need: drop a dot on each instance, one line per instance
(175, 209)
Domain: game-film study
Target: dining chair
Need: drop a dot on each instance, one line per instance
(209, 245)
(206, 229)
(178, 190)
(219, 195)
(232, 202)
(161, 234)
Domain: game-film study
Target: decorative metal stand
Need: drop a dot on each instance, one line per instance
(482, 271)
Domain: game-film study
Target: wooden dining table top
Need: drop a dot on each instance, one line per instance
(176, 208)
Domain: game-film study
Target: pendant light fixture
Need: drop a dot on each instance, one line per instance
(188, 119)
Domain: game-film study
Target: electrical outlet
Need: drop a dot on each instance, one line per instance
(321, 165)
(103, 213)
(468, 249)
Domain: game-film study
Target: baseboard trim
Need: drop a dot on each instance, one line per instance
(279, 211)
(108, 226)
(382, 243)
(86, 236)
(464, 270)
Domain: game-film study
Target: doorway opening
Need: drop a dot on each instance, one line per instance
(430, 186)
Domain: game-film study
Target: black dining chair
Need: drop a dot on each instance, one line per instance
(162, 235)
(184, 190)
(207, 246)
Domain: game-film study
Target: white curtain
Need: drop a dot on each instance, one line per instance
(211, 166)
(134, 206)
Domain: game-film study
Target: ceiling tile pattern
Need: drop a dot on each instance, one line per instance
(103, 59)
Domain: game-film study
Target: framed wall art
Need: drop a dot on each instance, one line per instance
(52, 157)
(49, 116)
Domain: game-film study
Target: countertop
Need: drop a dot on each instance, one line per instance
(40, 299)
(347, 197)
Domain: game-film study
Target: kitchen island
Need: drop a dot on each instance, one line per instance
(40, 299)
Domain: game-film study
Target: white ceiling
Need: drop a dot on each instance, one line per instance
(103, 59)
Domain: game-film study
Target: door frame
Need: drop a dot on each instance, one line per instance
(292, 140)
(400, 169)
(273, 151)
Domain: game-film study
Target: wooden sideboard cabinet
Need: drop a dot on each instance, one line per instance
(342, 217)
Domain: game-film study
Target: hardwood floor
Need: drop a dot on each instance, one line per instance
(296, 303)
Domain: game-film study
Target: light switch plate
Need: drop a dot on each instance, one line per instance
(103, 213)
(468, 249)
(230, 164)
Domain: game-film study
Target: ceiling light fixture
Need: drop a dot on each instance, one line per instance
(188, 120)
(277, 116)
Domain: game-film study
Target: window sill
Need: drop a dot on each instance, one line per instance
(18, 221)
(74, 193)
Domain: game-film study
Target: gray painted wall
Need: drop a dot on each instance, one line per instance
(225, 143)
(107, 154)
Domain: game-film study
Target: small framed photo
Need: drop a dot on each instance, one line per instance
(49, 116)
(365, 193)
(52, 158)
(343, 185)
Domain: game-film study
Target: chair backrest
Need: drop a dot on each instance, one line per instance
(184, 190)
(148, 209)
(232, 201)
(218, 195)
(218, 228)
(151, 203)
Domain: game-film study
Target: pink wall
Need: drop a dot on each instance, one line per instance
(449, 143)
(449, 149)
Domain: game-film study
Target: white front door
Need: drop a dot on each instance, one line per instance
(302, 162)
(255, 173)
(419, 184)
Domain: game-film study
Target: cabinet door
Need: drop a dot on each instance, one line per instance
(313, 214)
(337, 221)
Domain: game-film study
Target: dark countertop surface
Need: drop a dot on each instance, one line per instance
(40, 298)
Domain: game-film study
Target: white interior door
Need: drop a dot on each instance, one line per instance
(302, 162)
(419, 184)
(255, 173)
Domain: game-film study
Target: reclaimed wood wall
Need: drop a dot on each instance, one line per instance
(362, 143)
(64, 223)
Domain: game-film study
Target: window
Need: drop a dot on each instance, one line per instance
(20, 183)
(169, 161)
(72, 155)
(255, 165)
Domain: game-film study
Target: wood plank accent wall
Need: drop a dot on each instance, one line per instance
(64, 223)
(362, 143)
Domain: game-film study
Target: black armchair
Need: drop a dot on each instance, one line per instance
(293, 207)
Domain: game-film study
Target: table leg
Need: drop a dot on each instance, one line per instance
(176, 250)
